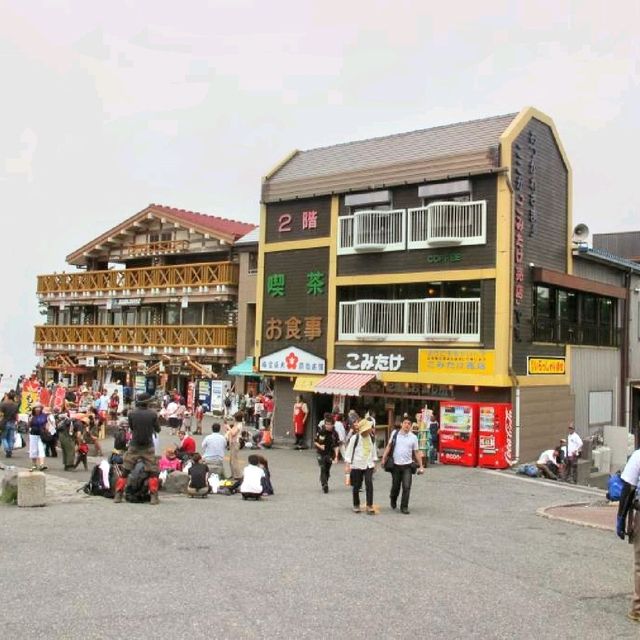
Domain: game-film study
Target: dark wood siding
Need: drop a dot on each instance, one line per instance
(545, 413)
(295, 209)
(406, 197)
(545, 240)
(296, 301)
(488, 313)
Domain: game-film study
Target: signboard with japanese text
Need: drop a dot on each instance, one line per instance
(551, 366)
(460, 361)
(298, 220)
(292, 361)
(295, 300)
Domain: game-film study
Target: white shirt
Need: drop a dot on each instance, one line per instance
(251, 479)
(214, 447)
(547, 456)
(339, 427)
(357, 459)
(103, 403)
(631, 472)
(574, 442)
(406, 443)
(172, 409)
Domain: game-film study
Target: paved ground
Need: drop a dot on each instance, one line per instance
(473, 560)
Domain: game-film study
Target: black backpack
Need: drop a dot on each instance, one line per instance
(137, 489)
(95, 486)
(120, 440)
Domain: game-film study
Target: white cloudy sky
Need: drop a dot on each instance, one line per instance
(108, 106)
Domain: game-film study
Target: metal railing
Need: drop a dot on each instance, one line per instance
(139, 280)
(447, 223)
(372, 231)
(578, 333)
(135, 337)
(455, 319)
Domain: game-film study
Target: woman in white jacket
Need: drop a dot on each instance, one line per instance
(360, 460)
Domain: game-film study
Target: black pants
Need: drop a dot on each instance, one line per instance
(401, 476)
(81, 458)
(50, 450)
(357, 475)
(325, 470)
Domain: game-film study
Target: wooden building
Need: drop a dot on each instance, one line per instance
(157, 294)
(427, 267)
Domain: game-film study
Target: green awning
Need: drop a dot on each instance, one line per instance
(244, 368)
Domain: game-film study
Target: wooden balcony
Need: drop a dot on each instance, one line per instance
(161, 280)
(160, 248)
(151, 338)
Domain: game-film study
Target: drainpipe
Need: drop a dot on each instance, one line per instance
(516, 416)
(624, 353)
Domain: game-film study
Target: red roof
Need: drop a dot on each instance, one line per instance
(343, 383)
(214, 223)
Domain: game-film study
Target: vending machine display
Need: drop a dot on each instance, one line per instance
(458, 439)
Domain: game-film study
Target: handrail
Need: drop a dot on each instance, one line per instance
(203, 336)
(206, 274)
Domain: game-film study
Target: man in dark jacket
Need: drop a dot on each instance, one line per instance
(327, 445)
(9, 410)
(143, 423)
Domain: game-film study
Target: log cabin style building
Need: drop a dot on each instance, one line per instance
(157, 295)
(433, 269)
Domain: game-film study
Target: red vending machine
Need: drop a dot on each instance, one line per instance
(458, 434)
(495, 435)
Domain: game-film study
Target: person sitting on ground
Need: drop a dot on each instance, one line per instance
(187, 445)
(214, 447)
(267, 487)
(265, 438)
(548, 463)
(198, 477)
(252, 477)
(169, 461)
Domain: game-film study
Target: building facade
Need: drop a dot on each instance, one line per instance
(418, 270)
(154, 296)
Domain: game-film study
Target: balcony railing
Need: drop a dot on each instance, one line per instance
(152, 338)
(444, 319)
(372, 231)
(164, 279)
(565, 332)
(446, 224)
(438, 224)
(159, 248)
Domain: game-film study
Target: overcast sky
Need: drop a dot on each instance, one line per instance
(108, 106)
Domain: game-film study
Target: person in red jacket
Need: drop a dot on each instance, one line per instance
(187, 446)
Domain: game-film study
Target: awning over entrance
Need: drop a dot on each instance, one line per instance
(306, 383)
(344, 383)
(244, 368)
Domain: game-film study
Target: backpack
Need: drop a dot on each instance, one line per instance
(227, 402)
(95, 486)
(120, 440)
(137, 489)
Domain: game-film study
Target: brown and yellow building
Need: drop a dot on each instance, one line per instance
(424, 267)
(156, 294)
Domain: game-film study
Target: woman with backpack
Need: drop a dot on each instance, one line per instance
(360, 463)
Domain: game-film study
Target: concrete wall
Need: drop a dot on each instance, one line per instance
(247, 284)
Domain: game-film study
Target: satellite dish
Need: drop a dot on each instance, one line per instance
(580, 233)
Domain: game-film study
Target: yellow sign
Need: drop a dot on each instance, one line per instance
(546, 366)
(462, 361)
(29, 398)
(306, 383)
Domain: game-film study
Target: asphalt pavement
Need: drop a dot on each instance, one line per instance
(474, 559)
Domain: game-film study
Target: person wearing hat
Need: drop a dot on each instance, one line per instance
(360, 463)
(574, 449)
(37, 424)
(143, 423)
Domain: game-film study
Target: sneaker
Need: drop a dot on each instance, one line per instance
(154, 499)
(34, 468)
(633, 616)
(325, 489)
(118, 497)
(43, 467)
(393, 504)
(356, 509)
(405, 511)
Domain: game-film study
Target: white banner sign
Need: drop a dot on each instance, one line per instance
(292, 360)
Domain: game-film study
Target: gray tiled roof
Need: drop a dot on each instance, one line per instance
(462, 138)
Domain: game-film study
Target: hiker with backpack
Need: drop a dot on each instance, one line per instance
(360, 464)
(143, 423)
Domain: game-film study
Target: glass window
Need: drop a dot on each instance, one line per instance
(52, 316)
(568, 305)
(172, 314)
(129, 316)
(253, 262)
(543, 302)
(146, 315)
(116, 317)
(103, 316)
(589, 308)
(192, 314)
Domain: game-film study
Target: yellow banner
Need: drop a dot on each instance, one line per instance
(462, 361)
(306, 383)
(546, 366)
(29, 398)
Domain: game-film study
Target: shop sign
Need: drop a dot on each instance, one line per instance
(292, 360)
(446, 258)
(460, 361)
(374, 361)
(140, 384)
(128, 302)
(293, 328)
(550, 366)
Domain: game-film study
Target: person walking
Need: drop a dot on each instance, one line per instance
(37, 424)
(403, 449)
(628, 524)
(9, 411)
(233, 438)
(327, 446)
(360, 463)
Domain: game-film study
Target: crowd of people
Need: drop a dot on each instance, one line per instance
(561, 462)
